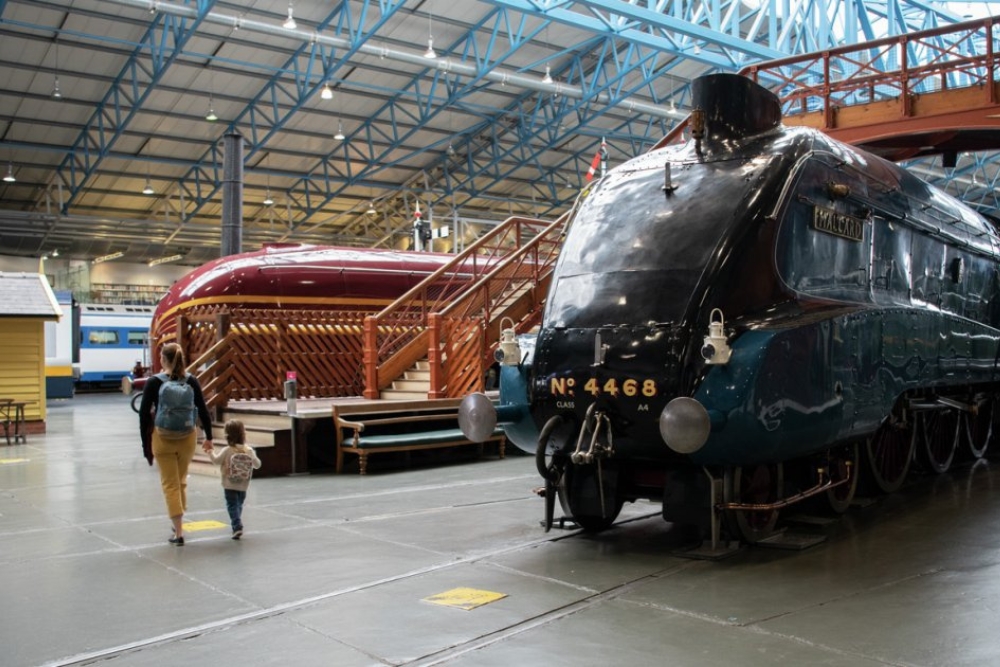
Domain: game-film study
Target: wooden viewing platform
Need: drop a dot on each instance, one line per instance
(307, 441)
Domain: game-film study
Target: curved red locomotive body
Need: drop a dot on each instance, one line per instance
(751, 319)
(295, 277)
(284, 308)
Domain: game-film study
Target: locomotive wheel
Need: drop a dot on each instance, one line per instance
(754, 484)
(889, 452)
(843, 464)
(939, 431)
(978, 428)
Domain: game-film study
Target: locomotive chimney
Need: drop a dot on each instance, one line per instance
(734, 107)
(232, 195)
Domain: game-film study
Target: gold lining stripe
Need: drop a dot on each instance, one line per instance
(298, 300)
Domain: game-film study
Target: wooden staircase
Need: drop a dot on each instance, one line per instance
(413, 385)
(452, 318)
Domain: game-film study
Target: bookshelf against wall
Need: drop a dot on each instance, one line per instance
(133, 295)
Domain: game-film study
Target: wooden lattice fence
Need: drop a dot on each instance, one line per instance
(245, 353)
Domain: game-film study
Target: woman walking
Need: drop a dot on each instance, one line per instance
(170, 401)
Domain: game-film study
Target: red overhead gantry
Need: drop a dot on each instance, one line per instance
(925, 93)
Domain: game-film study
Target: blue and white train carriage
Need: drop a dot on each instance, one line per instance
(112, 339)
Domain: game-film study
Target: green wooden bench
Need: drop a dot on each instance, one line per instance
(364, 428)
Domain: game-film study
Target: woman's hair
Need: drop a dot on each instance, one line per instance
(236, 434)
(173, 357)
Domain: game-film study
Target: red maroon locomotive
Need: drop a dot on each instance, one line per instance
(339, 285)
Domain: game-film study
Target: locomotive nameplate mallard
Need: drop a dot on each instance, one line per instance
(845, 226)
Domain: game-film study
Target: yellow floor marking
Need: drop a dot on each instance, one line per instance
(13, 460)
(195, 526)
(465, 598)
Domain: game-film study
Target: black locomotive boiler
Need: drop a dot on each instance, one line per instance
(750, 319)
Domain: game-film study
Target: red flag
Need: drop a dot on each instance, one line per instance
(594, 164)
(599, 157)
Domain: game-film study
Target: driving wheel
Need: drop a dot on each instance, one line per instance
(889, 452)
(755, 484)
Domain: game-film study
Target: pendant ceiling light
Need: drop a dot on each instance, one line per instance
(430, 53)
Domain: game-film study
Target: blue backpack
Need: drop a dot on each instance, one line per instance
(175, 412)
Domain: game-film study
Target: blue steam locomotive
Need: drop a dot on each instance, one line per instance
(751, 319)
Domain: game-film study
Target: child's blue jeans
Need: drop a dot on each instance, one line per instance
(234, 505)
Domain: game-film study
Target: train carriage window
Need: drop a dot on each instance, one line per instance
(102, 337)
(138, 338)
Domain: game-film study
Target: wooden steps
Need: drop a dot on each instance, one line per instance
(414, 385)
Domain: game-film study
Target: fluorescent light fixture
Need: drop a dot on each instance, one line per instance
(108, 257)
(289, 23)
(267, 198)
(9, 178)
(340, 131)
(165, 260)
(327, 92)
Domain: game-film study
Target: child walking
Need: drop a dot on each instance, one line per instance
(238, 461)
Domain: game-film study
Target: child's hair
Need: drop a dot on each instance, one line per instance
(236, 434)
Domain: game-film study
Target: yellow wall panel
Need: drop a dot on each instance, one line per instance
(22, 364)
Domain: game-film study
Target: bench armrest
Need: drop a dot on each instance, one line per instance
(343, 423)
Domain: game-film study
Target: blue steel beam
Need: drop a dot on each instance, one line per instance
(535, 127)
(158, 49)
(309, 68)
(975, 179)
(611, 22)
(360, 156)
(621, 65)
(449, 93)
(454, 185)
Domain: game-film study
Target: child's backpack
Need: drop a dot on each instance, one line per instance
(175, 412)
(240, 468)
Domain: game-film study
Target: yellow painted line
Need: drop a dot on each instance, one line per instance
(465, 598)
(195, 526)
(4, 461)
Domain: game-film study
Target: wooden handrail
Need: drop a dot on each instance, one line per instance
(830, 79)
(389, 338)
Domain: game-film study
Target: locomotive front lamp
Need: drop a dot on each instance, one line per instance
(715, 350)
(509, 352)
